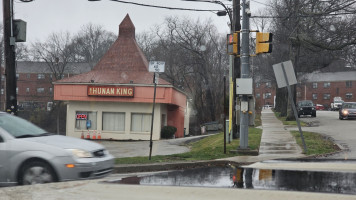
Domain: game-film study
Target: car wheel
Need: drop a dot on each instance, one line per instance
(314, 115)
(36, 172)
(341, 118)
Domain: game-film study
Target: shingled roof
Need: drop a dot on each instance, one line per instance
(123, 63)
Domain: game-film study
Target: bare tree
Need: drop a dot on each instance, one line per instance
(196, 60)
(312, 33)
(91, 43)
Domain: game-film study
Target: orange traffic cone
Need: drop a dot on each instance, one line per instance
(99, 136)
(82, 136)
(88, 135)
(94, 135)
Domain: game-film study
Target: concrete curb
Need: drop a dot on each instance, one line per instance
(119, 169)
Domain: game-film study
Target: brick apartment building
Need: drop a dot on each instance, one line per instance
(34, 83)
(321, 88)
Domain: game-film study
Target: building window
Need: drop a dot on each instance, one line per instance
(40, 90)
(326, 96)
(267, 95)
(28, 75)
(27, 89)
(315, 85)
(141, 122)
(113, 121)
(17, 76)
(2, 77)
(17, 90)
(258, 85)
(50, 90)
(258, 95)
(315, 96)
(268, 84)
(326, 84)
(348, 95)
(40, 76)
(2, 91)
(299, 94)
(85, 120)
(349, 84)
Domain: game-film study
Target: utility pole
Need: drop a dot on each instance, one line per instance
(9, 52)
(245, 73)
(236, 67)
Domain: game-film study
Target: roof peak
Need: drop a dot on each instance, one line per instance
(127, 28)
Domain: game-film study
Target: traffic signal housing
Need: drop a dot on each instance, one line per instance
(263, 42)
(233, 43)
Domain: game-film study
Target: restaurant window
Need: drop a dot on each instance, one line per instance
(113, 121)
(315, 96)
(326, 96)
(326, 84)
(349, 84)
(85, 120)
(315, 85)
(141, 122)
(348, 95)
(40, 76)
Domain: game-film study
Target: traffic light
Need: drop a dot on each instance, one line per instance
(263, 42)
(233, 43)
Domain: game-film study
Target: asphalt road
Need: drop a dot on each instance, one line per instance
(342, 131)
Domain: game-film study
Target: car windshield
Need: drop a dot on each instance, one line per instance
(305, 103)
(350, 105)
(19, 127)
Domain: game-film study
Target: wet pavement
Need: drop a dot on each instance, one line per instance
(252, 178)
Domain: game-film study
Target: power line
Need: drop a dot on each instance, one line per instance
(305, 16)
(164, 7)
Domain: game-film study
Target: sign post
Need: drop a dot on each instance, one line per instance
(285, 76)
(156, 67)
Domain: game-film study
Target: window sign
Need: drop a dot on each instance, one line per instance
(82, 116)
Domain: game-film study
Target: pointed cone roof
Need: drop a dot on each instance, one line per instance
(123, 63)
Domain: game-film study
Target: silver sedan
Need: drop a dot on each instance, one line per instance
(29, 155)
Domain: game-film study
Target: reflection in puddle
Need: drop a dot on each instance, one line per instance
(233, 177)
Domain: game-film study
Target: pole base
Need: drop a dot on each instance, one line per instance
(245, 152)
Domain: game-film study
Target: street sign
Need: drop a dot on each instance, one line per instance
(278, 72)
(156, 66)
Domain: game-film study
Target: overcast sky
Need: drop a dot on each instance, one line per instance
(47, 16)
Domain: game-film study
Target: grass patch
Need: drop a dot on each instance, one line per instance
(315, 142)
(288, 123)
(209, 148)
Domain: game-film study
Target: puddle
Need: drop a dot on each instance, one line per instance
(234, 177)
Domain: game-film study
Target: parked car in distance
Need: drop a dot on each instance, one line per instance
(347, 110)
(319, 107)
(30, 155)
(306, 107)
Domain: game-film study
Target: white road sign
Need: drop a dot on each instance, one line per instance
(281, 79)
(156, 66)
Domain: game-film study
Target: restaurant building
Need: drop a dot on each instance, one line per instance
(115, 98)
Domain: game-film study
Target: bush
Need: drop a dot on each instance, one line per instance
(167, 132)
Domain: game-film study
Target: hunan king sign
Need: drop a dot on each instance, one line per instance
(112, 91)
